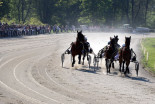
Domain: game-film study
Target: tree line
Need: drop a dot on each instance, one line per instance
(76, 12)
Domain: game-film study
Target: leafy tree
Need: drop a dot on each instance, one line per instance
(4, 8)
(75, 12)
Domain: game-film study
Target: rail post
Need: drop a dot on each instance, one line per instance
(144, 51)
(147, 58)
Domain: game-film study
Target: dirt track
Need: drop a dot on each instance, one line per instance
(31, 73)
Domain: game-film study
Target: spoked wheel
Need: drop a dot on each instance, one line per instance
(137, 67)
(62, 58)
(71, 58)
(95, 62)
(89, 60)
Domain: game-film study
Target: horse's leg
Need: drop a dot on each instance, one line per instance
(127, 67)
(79, 58)
(106, 64)
(120, 65)
(83, 58)
(110, 63)
(123, 66)
(73, 62)
(113, 66)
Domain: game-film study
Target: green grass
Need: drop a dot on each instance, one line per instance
(149, 45)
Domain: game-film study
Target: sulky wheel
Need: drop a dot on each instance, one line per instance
(95, 62)
(62, 58)
(89, 60)
(71, 58)
(137, 67)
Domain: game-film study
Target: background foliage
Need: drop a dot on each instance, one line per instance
(76, 12)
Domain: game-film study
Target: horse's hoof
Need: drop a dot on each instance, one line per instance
(113, 65)
(125, 72)
(107, 72)
(128, 72)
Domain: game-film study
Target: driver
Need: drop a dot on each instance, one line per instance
(87, 44)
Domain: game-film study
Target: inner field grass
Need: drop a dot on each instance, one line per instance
(149, 45)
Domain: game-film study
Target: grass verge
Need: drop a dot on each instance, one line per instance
(149, 46)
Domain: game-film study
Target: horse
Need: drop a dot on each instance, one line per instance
(117, 47)
(109, 54)
(77, 47)
(125, 56)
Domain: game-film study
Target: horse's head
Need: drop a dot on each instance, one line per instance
(80, 36)
(116, 38)
(112, 41)
(127, 41)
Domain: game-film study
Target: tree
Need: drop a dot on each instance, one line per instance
(90, 12)
(4, 8)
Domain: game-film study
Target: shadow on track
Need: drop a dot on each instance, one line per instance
(66, 68)
(88, 71)
(113, 74)
(143, 79)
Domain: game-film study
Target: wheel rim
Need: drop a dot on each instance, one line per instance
(62, 59)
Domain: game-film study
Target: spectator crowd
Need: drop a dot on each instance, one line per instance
(21, 30)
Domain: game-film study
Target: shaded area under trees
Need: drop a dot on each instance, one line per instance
(75, 12)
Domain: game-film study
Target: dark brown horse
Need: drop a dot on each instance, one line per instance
(109, 54)
(125, 55)
(77, 47)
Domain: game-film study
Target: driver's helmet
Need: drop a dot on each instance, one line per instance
(123, 45)
(85, 39)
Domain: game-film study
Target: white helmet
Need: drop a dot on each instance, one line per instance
(85, 39)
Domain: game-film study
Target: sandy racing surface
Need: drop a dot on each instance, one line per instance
(31, 73)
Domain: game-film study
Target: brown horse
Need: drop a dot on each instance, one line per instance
(125, 55)
(109, 54)
(77, 47)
